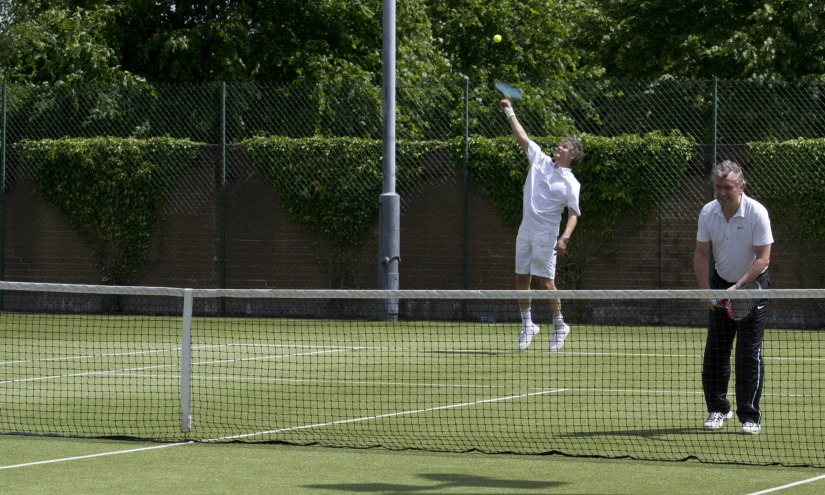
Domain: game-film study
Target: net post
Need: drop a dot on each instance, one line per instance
(186, 364)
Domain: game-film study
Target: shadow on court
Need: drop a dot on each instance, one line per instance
(436, 482)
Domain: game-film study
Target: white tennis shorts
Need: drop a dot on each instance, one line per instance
(536, 255)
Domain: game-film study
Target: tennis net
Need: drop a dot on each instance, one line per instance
(434, 370)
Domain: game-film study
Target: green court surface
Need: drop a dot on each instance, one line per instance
(41, 465)
(612, 392)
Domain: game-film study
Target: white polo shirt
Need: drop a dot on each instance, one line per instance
(733, 241)
(547, 191)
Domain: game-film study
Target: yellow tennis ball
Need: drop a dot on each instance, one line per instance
(497, 38)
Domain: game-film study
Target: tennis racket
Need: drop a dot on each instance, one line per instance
(739, 309)
(509, 91)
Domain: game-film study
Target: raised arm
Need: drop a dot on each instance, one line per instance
(518, 130)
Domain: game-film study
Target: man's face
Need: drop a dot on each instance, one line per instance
(728, 193)
(564, 152)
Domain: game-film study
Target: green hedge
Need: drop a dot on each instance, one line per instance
(331, 185)
(790, 178)
(621, 176)
(110, 190)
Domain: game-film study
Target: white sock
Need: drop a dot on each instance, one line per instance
(558, 321)
(526, 317)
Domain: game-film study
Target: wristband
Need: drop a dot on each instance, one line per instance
(509, 113)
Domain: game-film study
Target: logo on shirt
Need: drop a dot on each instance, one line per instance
(740, 227)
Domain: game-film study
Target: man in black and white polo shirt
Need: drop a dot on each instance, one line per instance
(738, 230)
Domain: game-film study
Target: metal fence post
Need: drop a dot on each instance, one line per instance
(465, 184)
(465, 174)
(715, 87)
(714, 118)
(223, 185)
(3, 196)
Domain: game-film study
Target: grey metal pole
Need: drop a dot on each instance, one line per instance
(389, 217)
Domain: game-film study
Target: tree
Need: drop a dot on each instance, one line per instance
(539, 38)
(60, 47)
(731, 39)
(284, 41)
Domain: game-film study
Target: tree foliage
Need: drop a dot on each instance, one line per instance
(60, 47)
(771, 39)
(537, 38)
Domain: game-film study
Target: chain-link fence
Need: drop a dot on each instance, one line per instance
(250, 185)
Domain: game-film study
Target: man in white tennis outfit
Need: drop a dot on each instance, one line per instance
(738, 231)
(549, 189)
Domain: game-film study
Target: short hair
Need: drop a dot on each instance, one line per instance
(724, 168)
(576, 147)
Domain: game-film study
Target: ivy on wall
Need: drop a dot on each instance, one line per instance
(110, 190)
(789, 177)
(330, 186)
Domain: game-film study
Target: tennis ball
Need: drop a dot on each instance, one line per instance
(497, 38)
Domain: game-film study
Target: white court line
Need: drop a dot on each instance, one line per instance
(691, 356)
(125, 370)
(89, 356)
(348, 382)
(86, 373)
(304, 427)
(361, 348)
(90, 456)
(275, 356)
(790, 485)
(388, 415)
(231, 378)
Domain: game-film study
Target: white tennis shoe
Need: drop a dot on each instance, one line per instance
(559, 334)
(750, 428)
(716, 420)
(526, 334)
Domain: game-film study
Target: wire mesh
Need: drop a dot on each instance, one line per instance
(282, 189)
